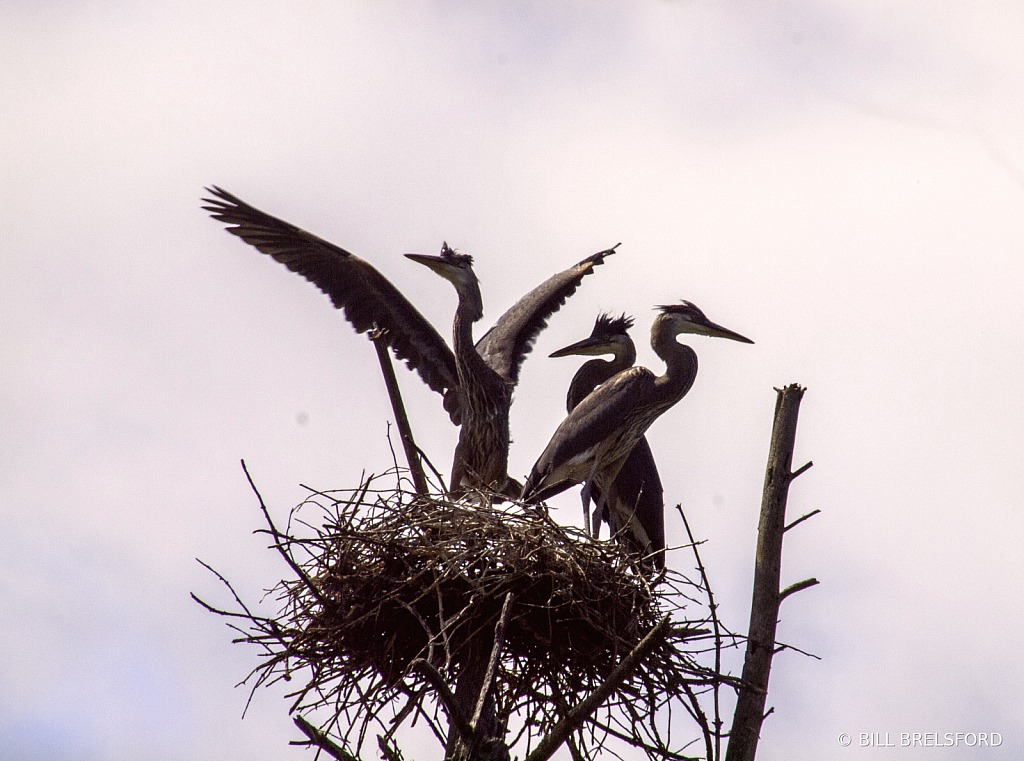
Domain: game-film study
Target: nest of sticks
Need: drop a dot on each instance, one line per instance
(383, 580)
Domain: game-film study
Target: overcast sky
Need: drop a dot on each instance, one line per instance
(842, 181)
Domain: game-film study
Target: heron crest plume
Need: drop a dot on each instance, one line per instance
(453, 256)
(607, 325)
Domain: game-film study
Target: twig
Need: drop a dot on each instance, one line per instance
(718, 642)
(800, 470)
(247, 613)
(563, 709)
(801, 519)
(576, 716)
(280, 548)
(649, 749)
(447, 698)
(794, 588)
(492, 664)
(780, 648)
(437, 474)
(702, 722)
(318, 738)
(389, 751)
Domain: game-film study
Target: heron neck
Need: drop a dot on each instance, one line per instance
(470, 310)
(680, 361)
(595, 372)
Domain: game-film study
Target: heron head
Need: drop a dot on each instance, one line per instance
(450, 265)
(686, 317)
(458, 270)
(609, 336)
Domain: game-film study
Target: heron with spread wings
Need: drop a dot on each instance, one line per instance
(476, 380)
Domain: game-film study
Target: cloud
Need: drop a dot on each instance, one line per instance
(838, 180)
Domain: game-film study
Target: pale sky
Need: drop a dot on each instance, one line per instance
(841, 181)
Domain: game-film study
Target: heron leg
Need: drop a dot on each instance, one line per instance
(599, 509)
(585, 496)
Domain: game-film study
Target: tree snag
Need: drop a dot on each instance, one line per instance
(764, 606)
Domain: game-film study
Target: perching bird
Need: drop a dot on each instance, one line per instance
(369, 300)
(635, 507)
(603, 429)
(609, 336)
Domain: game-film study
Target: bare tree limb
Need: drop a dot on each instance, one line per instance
(794, 588)
(650, 750)
(718, 646)
(780, 648)
(702, 722)
(801, 519)
(404, 429)
(389, 751)
(322, 741)
(576, 716)
(444, 693)
(800, 470)
(492, 664)
(278, 537)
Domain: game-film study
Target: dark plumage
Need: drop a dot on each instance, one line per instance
(634, 508)
(353, 284)
(369, 299)
(489, 370)
(602, 430)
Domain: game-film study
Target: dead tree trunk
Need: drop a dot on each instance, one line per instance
(764, 608)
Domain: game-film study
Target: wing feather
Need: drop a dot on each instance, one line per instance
(593, 420)
(506, 344)
(353, 285)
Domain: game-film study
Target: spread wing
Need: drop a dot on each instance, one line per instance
(352, 284)
(505, 346)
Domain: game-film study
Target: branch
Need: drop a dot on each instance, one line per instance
(322, 741)
(455, 715)
(404, 429)
(650, 750)
(492, 664)
(718, 644)
(800, 470)
(576, 716)
(702, 721)
(278, 536)
(801, 519)
(437, 474)
(387, 750)
(794, 588)
(780, 648)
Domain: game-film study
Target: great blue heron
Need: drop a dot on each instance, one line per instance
(598, 435)
(481, 404)
(635, 507)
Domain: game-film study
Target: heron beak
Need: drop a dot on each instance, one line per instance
(434, 262)
(438, 264)
(708, 328)
(587, 347)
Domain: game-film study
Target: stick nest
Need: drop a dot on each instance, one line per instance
(382, 578)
